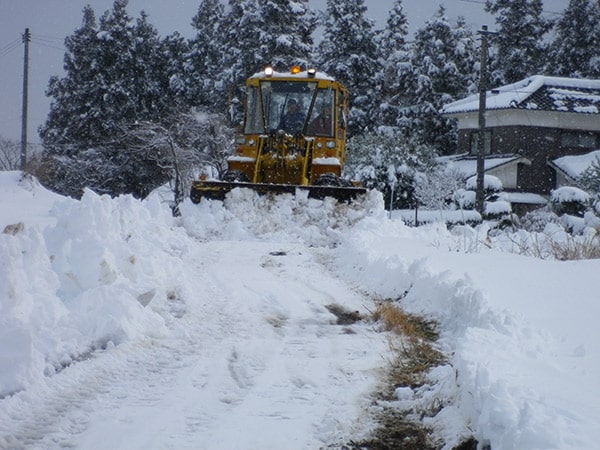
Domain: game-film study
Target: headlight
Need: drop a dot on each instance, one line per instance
(268, 71)
(330, 144)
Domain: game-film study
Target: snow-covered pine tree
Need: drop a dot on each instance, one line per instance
(145, 69)
(574, 49)
(240, 29)
(519, 47)
(174, 49)
(394, 78)
(262, 32)
(466, 56)
(113, 79)
(348, 53)
(204, 58)
(286, 38)
(393, 37)
(437, 58)
(75, 119)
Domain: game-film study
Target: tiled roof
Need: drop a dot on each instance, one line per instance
(537, 93)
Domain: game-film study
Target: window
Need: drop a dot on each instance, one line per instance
(321, 120)
(487, 142)
(580, 139)
(254, 119)
(276, 95)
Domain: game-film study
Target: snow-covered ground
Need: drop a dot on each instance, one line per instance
(122, 327)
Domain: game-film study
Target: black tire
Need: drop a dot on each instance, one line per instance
(232, 176)
(331, 179)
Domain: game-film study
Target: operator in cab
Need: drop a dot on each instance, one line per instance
(293, 119)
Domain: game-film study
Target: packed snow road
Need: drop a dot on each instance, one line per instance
(249, 357)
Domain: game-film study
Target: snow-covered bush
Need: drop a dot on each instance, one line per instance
(569, 200)
(491, 186)
(589, 179)
(389, 164)
(536, 221)
(464, 199)
(434, 189)
(499, 213)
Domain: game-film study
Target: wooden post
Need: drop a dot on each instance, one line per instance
(26, 39)
(481, 135)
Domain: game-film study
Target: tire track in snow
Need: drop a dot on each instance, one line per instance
(249, 351)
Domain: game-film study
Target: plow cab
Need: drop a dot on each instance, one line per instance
(294, 137)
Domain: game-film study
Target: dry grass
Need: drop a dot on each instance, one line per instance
(562, 248)
(394, 319)
(412, 344)
(413, 348)
(575, 248)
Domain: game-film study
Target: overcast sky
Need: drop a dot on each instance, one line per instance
(50, 21)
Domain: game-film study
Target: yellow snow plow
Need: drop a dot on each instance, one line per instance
(294, 137)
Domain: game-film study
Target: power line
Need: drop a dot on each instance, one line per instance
(44, 44)
(50, 38)
(8, 48)
(480, 2)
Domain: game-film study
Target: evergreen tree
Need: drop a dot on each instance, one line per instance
(204, 58)
(262, 32)
(348, 53)
(286, 37)
(174, 51)
(397, 70)
(145, 69)
(466, 56)
(574, 50)
(114, 78)
(393, 37)
(74, 117)
(240, 28)
(439, 55)
(519, 44)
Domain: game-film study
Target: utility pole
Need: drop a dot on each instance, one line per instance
(482, 106)
(26, 39)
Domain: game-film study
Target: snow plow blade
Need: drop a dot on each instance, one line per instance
(218, 190)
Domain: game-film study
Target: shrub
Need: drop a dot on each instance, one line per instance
(569, 200)
(536, 221)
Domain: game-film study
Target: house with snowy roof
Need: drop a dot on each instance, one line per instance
(530, 126)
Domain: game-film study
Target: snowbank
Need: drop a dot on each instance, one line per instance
(520, 375)
(78, 285)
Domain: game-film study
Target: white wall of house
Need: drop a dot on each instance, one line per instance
(507, 174)
(532, 118)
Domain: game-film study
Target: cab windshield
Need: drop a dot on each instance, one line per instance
(288, 105)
